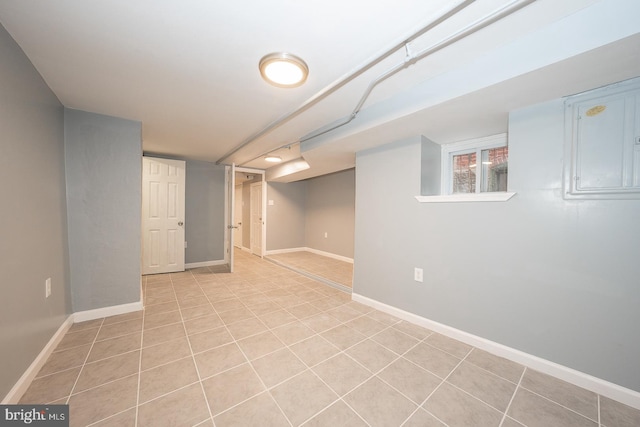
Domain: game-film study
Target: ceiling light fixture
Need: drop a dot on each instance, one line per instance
(283, 69)
(273, 159)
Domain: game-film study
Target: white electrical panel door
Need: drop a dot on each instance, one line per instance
(600, 149)
(602, 144)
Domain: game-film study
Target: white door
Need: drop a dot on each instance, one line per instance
(256, 218)
(163, 182)
(238, 217)
(230, 215)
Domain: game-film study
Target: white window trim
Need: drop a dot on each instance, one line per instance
(462, 147)
(498, 196)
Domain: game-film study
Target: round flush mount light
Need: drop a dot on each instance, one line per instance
(283, 69)
(273, 159)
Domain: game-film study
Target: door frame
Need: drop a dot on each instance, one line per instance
(252, 207)
(229, 198)
(238, 200)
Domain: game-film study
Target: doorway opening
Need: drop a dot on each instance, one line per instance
(246, 212)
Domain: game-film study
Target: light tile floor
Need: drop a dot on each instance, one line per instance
(267, 347)
(337, 271)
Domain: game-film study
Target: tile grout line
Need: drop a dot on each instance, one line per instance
(84, 363)
(513, 396)
(297, 319)
(248, 361)
(309, 368)
(561, 405)
(286, 346)
(341, 352)
(439, 385)
(402, 356)
(193, 358)
(144, 315)
(300, 320)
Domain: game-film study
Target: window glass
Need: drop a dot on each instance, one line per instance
(494, 169)
(464, 173)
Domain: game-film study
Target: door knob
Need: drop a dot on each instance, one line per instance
(180, 223)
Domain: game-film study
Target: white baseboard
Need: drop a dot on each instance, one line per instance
(284, 251)
(25, 380)
(20, 387)
(314, 251)
(99, 313)
(205, 263)
(580, 379)
(330, 255)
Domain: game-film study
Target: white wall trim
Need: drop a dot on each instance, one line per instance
(314, 251)
(25, 380)
(98, 313)
(580, 379)
(467, 197)
(330, 255)
(205, 263)
(21, 386)
(285, 251)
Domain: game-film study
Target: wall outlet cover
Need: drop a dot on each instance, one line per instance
(417, 274)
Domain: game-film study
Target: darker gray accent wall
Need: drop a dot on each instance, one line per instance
(286, 217)
(104, 180)
(554, 278)
(204, 211)
(33, 245)
(330, 208)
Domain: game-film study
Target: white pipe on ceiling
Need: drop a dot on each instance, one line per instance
(340, 83)
(410, 58)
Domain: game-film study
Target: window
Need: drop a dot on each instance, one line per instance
(475, 166)
(602, 143)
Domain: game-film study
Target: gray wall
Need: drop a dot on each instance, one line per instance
(104, 180)
(303, 211)
(330, 208)
(204, 211)
(554, 278)
(286, 217)
(33, 246)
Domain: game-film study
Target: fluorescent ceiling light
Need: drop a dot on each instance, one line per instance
(273, 159)
(283, 69)
(288, 168)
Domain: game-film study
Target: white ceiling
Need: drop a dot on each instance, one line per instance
(188, 69)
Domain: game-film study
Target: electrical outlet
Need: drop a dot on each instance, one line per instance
(417, 274)
(47, 288)
(326, 234)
